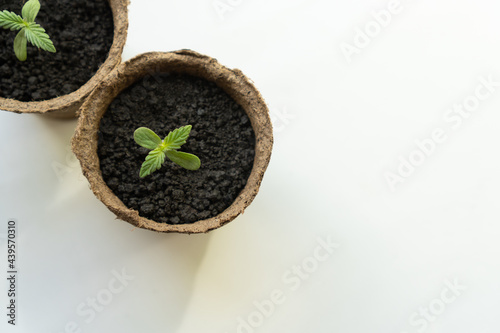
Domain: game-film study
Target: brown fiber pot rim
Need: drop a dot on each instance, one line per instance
(66, 106)
(232, 81)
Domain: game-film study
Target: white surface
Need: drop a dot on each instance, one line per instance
(340, 127)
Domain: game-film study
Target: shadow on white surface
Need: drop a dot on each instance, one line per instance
(92, 270)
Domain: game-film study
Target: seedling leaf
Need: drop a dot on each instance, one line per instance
(147, 138)
(153, 162)
(12, 21)
(20, 43)
(177, 137)
(185, 160)
(36, 35)
(30, 10)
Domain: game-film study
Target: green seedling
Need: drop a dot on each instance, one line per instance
(29, 30)
(168, 147)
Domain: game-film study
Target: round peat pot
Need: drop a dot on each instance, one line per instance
(87, 142)
(65, 104)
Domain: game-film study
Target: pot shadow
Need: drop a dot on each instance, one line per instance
(164, 266)
(60, 130)
(65, 175)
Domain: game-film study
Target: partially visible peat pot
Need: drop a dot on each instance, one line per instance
(231, 134)
(89, 37)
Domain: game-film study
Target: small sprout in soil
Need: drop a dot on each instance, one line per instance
(168, 147)
(29, 30)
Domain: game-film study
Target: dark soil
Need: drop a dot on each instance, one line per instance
(82, 32)
(222, 137)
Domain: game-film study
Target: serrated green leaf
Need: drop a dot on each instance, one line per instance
(153, 162)
(10, 20)
(36, 35)
(30, 10)
(185, 160)
(177, 137)
(20, 43)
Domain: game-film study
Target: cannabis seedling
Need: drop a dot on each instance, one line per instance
(30, 31)
(168, 147)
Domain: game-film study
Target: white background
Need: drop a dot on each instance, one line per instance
(340, 128)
